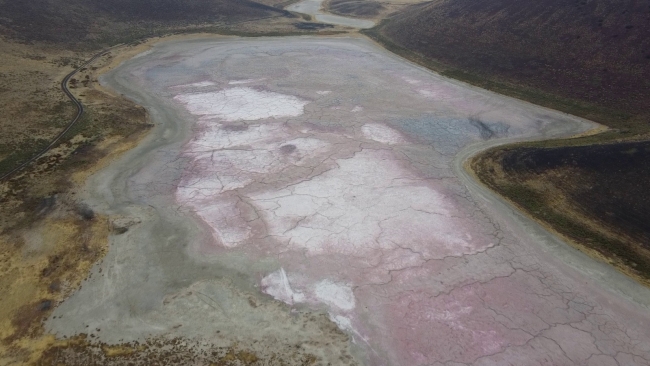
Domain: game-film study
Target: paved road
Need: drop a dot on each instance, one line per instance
(77, 117)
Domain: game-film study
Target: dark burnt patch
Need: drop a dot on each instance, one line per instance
(610, 181)
(287, 149)
(84, 350)
(85, 212)
(44, 305)
(27, 319)
(311, 25)
(46, 205)
(235, 127)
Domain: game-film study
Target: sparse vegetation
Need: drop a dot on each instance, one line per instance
(594, 195)
(582, 58)
(102, 23)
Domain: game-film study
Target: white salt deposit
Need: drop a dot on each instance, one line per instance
(244, 81)
(356, 109)
(277, 285)
(219, 136)
(227, 157)
(334, 294)
(428, 93)
(411, 80)
(323, 92)
(367, 203)
(201, 84)
(381, 133)
(224, 217)
(342, 322)
(241, 103)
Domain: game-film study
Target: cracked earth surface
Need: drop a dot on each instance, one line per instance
(323, 173)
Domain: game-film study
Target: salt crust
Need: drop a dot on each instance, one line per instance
(381, 133)
(245, 81)
(337, 295)
(223, 160)
(242, 103)
(411, 80)
(367, 203)
(277, 285)
(201, 84)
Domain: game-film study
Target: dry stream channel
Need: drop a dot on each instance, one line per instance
(305, 194)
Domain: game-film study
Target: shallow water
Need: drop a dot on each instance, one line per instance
(323, 172)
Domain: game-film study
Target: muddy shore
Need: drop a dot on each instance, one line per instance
(168, 273)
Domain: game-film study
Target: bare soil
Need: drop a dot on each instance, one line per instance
(98, 23)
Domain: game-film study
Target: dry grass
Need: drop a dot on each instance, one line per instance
(553, 198)
(49, 241)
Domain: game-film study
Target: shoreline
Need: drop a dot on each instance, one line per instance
(117, 148)
(177, 134)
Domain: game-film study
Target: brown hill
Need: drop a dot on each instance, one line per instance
(77, 20)
(595, 51)
(596, 196)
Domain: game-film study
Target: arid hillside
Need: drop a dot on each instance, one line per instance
(595, 52)
(596, 196)
(101, 20)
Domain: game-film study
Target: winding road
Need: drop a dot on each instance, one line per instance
(75, 119)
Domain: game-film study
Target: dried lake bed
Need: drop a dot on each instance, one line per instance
(306, 196)
(314, 8)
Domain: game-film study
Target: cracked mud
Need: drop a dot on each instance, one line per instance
(321, 175)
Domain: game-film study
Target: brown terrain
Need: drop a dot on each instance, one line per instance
(107, 22)
(592, 58)
(49, 238)
(588, 58)
(65, 238)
